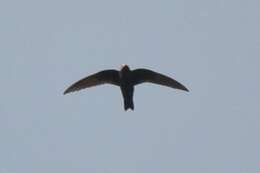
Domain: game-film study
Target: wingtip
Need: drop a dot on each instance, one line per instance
(65, 92)
(186, 89)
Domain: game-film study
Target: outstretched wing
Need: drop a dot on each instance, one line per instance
(145, 75)
(102, 77)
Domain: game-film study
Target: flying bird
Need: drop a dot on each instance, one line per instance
(126, 79)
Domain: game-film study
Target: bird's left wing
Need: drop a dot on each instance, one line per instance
(145, 75)
(102, 77)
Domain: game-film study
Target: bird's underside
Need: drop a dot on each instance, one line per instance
(126, 80)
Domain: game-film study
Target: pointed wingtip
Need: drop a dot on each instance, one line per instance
(66, 92)
(69, 90)
(182, 87)
(186, 89)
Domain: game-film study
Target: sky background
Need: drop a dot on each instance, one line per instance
(212, 47)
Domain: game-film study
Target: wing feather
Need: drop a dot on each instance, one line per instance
(145, 75)
(102, 77)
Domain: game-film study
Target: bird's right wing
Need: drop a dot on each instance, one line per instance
(145, 75)
(102, 77)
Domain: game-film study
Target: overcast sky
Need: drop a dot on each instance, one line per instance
(212, 47)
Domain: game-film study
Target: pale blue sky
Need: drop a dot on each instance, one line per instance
(212, 47)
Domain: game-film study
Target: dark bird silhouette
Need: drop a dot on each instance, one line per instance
(126, 79)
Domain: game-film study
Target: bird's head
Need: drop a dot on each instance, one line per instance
(124, 67)
(124, 70)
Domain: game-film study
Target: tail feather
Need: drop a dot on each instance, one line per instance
(128, 93)
(129, 105)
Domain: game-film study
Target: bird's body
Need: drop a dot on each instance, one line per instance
(127, 87)
(126, 79)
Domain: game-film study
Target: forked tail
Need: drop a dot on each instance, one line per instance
(128, 104)
(128, 93)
